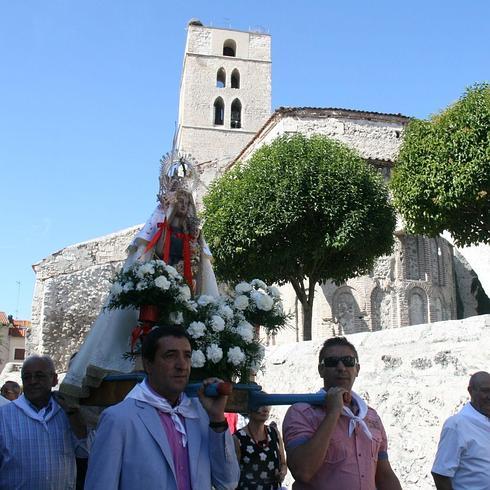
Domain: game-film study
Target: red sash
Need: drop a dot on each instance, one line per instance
(186, 247)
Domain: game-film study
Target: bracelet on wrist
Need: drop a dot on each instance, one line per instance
(219, 425)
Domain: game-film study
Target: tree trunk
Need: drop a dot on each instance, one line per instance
(307, 314)
(306, 299)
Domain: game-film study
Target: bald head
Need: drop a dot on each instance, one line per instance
(479, 390)
(478, 378)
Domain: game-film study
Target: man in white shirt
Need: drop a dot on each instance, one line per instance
(463, 457)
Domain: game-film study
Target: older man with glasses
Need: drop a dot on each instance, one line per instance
(38, 440)
(342, 445)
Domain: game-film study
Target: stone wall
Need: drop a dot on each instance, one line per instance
(71, 287)
(415, 377)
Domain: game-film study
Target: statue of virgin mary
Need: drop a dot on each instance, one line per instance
(172, 233)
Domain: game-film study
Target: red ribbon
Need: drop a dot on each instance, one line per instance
(186, 247)
(138, 331)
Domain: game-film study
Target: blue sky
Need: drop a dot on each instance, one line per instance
(89, 94)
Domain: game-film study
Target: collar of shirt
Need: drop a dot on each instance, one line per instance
(470, 412)
(43, 415)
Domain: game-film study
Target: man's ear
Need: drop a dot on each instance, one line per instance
(321, 368)
(55, 380)
(358, 368)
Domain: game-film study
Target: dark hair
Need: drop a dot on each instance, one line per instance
(332, 342)
(150, 344)
(9, 382)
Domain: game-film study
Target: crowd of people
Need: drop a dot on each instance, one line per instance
(158, 438)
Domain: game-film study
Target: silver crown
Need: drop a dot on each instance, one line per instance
(177, 172)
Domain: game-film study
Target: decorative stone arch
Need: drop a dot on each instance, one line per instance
(381, 309)
(236, 114)
(221, 78)
(229, 48)
(235, 78)
(219, 112)
(417, 306)
(439, 311)
(346, 311)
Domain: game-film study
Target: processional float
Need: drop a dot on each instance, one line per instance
(242, 397)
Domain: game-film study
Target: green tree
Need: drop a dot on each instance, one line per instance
(302, 210)
(441, 180)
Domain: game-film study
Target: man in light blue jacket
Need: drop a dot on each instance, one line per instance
(158, 438)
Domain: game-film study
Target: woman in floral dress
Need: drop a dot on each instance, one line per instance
(260, 452)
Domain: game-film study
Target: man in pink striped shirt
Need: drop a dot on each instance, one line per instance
(342, 445)
(158, 437)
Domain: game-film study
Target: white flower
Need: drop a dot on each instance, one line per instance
(246, 331)
(255, 296)
(205, 300)
(243, 287)
(236, 356)
(197, 359)
(265, 302)
(185, 292)
(217, 323)
(274, 292)
(259, 284)
(129, 286)
(241, 302)
(172, 271)
(196, 329)
(176, 317)
(140, 286)
(214, 353)
(147, 268)
(162, 282)
(225, 311)
(116, 288)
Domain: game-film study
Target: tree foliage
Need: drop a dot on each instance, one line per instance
(442, 177)
(300, 208)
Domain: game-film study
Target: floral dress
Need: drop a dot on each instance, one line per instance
(259, 462)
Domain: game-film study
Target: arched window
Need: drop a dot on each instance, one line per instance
(219, 111)
(221, 78)
(229, 47)
(236, 114)
(235, 79)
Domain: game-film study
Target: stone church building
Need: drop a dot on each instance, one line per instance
(224, 116)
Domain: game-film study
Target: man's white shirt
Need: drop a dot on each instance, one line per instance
(463, 453)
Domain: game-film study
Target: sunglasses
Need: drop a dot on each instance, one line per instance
(347, 361)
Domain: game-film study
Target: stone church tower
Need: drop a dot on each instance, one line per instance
(225, 94)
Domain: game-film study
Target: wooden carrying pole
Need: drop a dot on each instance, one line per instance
(242, 398)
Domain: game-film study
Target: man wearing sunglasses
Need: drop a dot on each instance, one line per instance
(341, 445)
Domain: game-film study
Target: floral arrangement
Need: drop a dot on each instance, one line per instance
(223, 342)
(260, 304)
(222, 330)
(150, 283)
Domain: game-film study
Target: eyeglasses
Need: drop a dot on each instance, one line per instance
(35, 376)
(347, 361)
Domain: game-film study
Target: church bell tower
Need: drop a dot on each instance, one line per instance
(225, 94)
